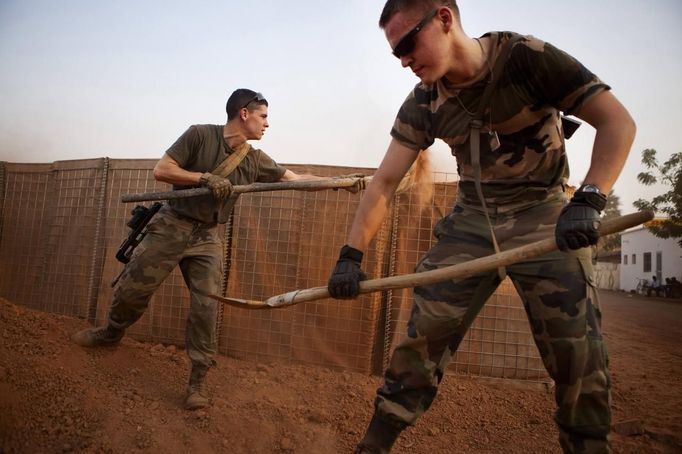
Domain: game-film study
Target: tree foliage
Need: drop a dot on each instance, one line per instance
(612, 210)
(669, 204)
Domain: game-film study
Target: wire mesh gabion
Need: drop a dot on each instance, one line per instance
(63, 222)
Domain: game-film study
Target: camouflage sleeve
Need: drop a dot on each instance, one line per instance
(268, 170)
(184, 150)
(412, 126)
(555, 77)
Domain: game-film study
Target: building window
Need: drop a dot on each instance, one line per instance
(625, 259)
(634, 259)
(647, 262)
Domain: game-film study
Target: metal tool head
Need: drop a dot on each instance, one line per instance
(241, 303)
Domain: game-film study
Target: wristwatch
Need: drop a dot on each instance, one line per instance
(590, 194)
(590, 188)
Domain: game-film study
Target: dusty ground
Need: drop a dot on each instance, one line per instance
(57, 397)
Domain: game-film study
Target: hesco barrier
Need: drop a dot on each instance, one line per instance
(61, 224)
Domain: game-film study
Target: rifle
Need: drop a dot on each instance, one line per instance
(141, 216)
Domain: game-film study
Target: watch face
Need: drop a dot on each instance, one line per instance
(590, 188)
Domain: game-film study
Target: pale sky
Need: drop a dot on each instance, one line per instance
(87, 79)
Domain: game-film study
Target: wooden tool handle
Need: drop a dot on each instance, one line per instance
(327, 183)
(460, 270)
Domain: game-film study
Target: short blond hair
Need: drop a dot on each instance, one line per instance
(393, 6)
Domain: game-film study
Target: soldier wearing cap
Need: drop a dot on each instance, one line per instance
(185, 232)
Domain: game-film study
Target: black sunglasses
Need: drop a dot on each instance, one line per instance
(407, 42)
(257, 97)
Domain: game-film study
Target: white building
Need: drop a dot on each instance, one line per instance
(644, 255)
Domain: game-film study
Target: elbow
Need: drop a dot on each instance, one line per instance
(628, 125)
(627, 130)
(385, 186)
(158, 173)
(621, 128)
(631, 128)
(290, 176)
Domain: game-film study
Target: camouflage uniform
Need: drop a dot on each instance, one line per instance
(523, 181)
(186, 233)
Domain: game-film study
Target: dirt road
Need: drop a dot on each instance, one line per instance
(57, 397)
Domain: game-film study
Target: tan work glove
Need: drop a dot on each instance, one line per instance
(219, 186)
(359, 183)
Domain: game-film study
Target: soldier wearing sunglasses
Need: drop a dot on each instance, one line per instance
(185, 232)
(513, 171)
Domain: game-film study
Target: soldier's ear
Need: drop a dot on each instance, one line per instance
(446, 18)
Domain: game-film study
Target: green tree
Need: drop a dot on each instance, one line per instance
(611, 243)
(669, 204)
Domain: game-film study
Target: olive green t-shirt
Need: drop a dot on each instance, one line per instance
(201, 149)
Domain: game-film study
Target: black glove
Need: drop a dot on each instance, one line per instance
(220, 187)
(344, 282)
(578, 223)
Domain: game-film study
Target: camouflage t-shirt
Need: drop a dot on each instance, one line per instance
(201, 149)
(538, 82)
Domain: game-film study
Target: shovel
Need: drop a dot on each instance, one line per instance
(461, 270)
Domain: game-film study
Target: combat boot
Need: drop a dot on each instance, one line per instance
(197, 395)
(97, 337)
(380, 437)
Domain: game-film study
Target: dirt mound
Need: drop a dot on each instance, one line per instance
(58, 397)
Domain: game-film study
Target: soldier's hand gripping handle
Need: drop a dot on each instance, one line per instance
(344, 282)
(219, 186)
(578, 223)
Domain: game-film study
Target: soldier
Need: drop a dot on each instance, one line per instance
(513, 171)
(185, 232)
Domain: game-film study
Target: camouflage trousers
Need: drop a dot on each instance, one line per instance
(560, 300)
(171, 241)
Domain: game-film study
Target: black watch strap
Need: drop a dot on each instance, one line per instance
(350, 253)
(591, 195)
(590, 188)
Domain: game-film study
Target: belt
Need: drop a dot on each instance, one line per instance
(169, 210)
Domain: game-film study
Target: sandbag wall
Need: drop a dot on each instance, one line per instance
(61, 224)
